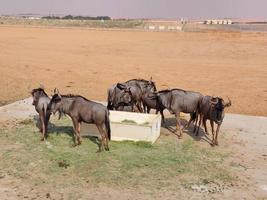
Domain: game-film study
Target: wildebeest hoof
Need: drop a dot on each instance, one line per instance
(107, 149)
(74, 145)
(98, 151)
(42, 139)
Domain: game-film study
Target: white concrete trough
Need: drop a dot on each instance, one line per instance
(129, 126)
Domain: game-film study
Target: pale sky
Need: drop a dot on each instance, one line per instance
(191, 9)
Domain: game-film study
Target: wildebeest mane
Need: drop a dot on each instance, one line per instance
(170, 90)
(143, 80)
(74, 96)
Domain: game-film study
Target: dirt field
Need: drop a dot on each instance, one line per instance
(89, 61)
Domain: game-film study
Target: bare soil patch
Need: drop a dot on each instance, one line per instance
(89, 61)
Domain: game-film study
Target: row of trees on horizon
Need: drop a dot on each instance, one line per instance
(78, 17)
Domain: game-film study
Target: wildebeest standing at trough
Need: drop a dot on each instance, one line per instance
(150, 101)
(137, 87)
(177, 100)
(119, 100)
(81, 110)
(40, 102)
(212, 108)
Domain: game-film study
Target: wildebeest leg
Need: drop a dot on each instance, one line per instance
(178, 124)
(46, 124)
(42, 120)
(139, 106)
(205, 126)
(102, 134)
(106, 138)
(162, 116)
(217, 132)
(195, 126)
(40, 124)
(135, 108)
(145, 108)
(79, 133)
(212, 130)
(190, 120)
(199, 124)
(75, 129)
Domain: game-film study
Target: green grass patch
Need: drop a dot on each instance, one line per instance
(166, 164)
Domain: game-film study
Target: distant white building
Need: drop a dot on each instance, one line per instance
(217, 21)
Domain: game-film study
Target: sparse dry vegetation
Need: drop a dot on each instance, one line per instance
(73, 23)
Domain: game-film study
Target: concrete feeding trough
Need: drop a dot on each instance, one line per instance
(129, 126)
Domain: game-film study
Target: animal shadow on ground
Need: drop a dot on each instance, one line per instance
(53, 129)
(94, 139)
(170, 125)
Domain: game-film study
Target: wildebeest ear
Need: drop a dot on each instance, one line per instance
(151, 78)
(57, 92)
(121, 86)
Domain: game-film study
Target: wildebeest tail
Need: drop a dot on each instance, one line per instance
(107, 124)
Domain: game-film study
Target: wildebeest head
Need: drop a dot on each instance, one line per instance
(217, 111)
(55, 102)
(125, 96)
(150, 86)
(36, 94)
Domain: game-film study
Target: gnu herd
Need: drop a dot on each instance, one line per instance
(136, 95)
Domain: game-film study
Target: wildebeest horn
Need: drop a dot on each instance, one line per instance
(214, 102)
(121, 86)
(56, 91)
(229, 103)
(151, 78)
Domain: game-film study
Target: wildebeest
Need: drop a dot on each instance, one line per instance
(136, 87)
(81, 110)
(40, 102)
(150, 101)
(135, 92)
(177, 100)
(119, 100)
(212, 108)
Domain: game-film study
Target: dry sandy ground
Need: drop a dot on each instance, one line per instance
(244, 136)
(89, 61)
